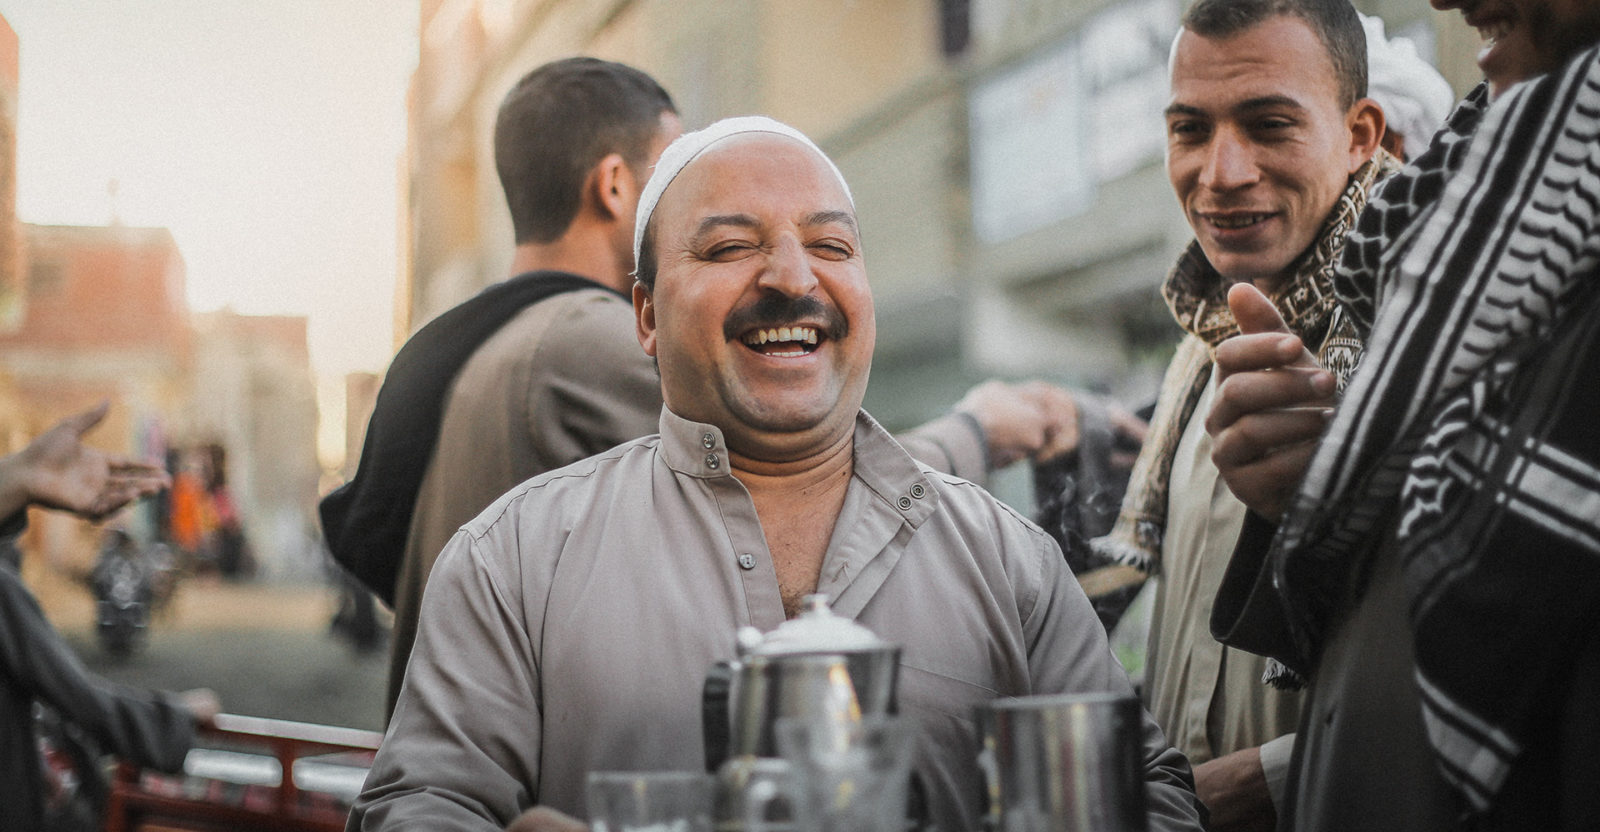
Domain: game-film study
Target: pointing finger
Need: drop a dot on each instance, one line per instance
(1254, 311)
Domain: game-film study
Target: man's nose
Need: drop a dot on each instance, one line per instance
(788, 270)
(1230, 163)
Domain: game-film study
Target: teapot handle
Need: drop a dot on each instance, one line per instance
(715, 723)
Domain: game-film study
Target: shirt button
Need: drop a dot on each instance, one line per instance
(905, 503)
(747, 561)
(918, 491)
(713, 461)
(708, 441)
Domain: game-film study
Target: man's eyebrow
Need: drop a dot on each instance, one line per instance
(1268, 102)
(826, 217)
(1249, 105)
(716, 220)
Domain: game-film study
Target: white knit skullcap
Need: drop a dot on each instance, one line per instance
(1415, 98)
(689, 146)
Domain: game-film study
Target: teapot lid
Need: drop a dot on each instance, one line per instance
(815, 630)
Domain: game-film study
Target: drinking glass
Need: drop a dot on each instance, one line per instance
(854, 775)
(649, 801)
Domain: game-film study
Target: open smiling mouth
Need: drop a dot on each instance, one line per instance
(782, 341)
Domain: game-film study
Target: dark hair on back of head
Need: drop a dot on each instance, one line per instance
(557, 123)
(1335, 23)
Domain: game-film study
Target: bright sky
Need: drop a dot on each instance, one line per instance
(266, 134)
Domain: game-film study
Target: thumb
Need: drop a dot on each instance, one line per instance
(82, 423)
(1254, 312)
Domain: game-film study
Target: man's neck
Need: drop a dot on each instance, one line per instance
(580, 257)
(798, 503)
(797, 477)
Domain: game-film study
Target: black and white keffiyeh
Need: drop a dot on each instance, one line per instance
(1466, 439)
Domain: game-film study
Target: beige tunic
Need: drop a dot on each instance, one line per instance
(1209, 699)
(569, 627)
(563, 379)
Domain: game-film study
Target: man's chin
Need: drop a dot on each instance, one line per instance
(1256, 268)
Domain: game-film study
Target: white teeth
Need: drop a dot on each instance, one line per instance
(782, 334)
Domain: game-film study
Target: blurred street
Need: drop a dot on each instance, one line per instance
(265, 649)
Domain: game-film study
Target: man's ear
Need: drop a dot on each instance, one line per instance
(644, 315)
(1366, 123)
(614, 187)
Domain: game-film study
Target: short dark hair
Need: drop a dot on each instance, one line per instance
(1335, 23)
(557, 123)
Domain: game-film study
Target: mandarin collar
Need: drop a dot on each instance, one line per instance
(697, 449)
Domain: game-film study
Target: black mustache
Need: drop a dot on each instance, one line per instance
(774, 310)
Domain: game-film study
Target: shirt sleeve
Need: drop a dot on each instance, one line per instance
(141, 726)
(598, 388)
(1068, 653)
(1275, 755)
(463, 747)
(951, 444)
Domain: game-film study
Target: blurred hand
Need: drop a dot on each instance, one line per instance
(1234, 790)
(543, 819)
(1060, 412)
(202, 703)
(58, 471)
(1022, 420)
(1273, 401)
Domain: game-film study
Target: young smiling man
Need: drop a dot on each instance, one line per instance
(1437, 570)
(570, 626)
(1272, 147)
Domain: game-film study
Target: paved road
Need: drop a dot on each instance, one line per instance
(265, 650)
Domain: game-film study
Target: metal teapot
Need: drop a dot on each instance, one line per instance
(818, 666)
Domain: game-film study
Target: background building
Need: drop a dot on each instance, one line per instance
(253, 395)
(1005, 157)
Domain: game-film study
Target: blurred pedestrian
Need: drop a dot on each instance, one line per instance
(58, 471)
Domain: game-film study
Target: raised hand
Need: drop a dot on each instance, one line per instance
(1272, 404)
(1021, 420)
(58, 471)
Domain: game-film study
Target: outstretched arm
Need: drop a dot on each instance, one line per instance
(1272, 404)
(994, 425)
(58, 471)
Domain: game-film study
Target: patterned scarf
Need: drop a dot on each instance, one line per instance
(1198, 297)
(1466, 439)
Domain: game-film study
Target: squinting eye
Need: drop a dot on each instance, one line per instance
(728, 251)
(832, 251)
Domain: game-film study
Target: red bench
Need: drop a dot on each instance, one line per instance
(199, 801)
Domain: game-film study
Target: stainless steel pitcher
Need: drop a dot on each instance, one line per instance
(1063, 762)
(818, 666)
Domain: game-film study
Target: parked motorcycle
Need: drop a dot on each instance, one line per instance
(124, 587)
